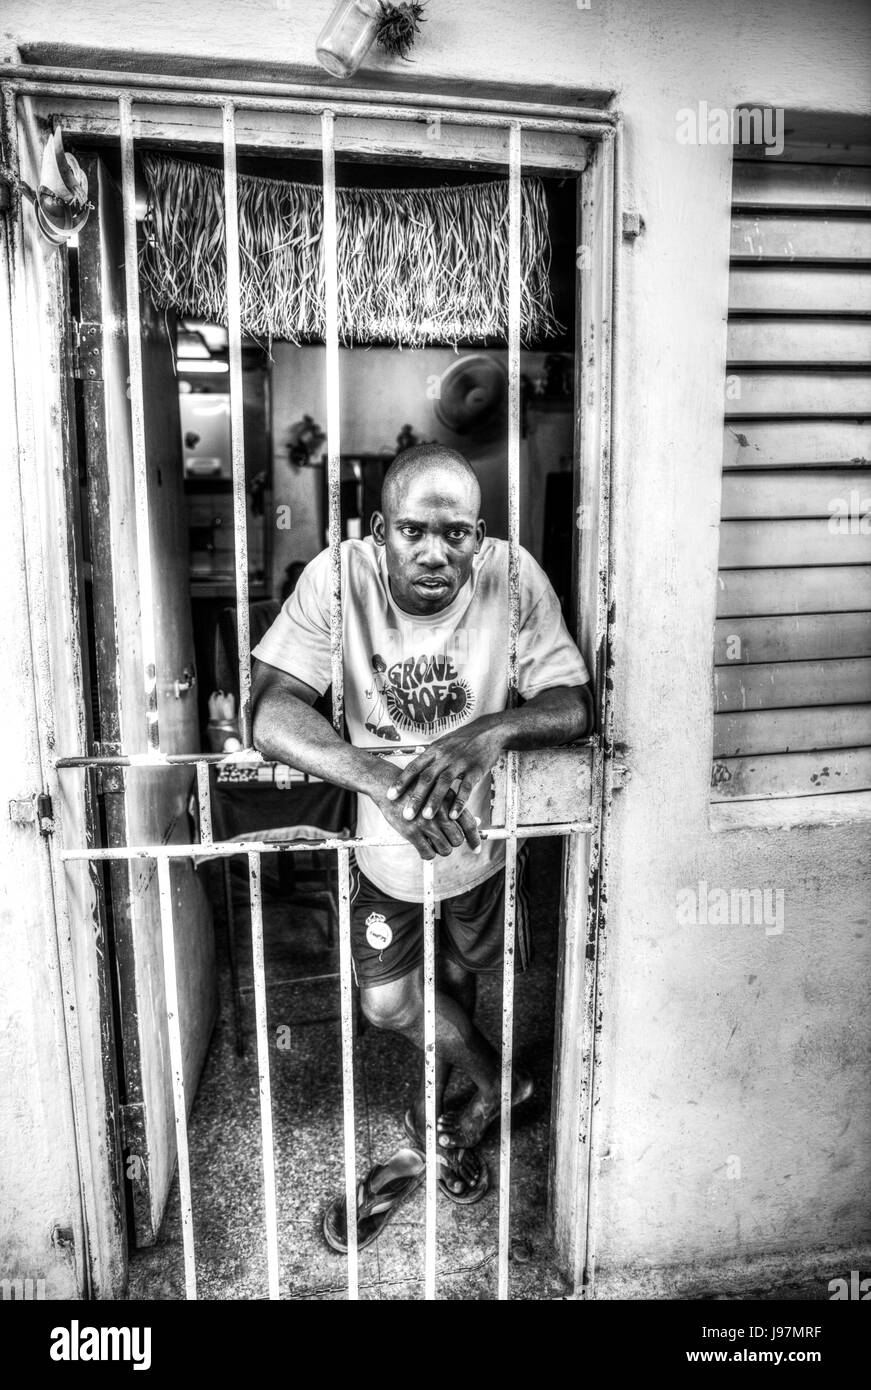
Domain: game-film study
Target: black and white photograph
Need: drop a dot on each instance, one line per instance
(436, 607)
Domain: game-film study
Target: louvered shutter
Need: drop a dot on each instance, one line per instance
(792, 652)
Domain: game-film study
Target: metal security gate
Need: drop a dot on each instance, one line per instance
(555, 793)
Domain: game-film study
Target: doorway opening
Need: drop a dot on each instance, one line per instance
(133, 641)
(392, 397)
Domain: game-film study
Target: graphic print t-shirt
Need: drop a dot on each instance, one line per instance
(409, 679)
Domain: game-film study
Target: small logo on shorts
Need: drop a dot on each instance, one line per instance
(378, 933)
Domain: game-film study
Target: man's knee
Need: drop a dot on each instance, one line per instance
(453, 976)
(395, 1007)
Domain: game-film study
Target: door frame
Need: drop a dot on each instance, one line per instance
(77, 100)
(45, 426)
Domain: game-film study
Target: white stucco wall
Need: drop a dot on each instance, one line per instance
(717, 1043)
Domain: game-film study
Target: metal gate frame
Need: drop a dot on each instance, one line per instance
(598, 249)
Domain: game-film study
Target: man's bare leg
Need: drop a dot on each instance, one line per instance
(462, 987)
(398, 1007)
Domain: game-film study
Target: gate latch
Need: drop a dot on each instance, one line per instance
(35, 809)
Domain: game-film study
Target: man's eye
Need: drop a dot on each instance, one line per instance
(410, 531)
(457, 536)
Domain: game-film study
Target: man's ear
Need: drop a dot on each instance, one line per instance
(377, 528)
(480, 533)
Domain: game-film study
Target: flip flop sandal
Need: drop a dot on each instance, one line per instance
(471, 1193)
(384, 1189)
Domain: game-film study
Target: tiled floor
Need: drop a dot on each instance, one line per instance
(306, 1089)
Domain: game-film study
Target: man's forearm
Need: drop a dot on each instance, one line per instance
(467, 754)
(554, 717)
(287, 730)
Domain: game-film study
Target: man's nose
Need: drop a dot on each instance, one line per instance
(433, 552)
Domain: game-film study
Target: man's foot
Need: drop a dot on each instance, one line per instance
(463, 1129)
(464, 1176)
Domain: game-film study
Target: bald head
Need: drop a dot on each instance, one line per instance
(430, 526)
(443, 469)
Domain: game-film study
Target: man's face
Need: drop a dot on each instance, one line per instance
(430, 529)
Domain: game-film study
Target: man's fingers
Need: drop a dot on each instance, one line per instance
(464, 791)
(422, 843)
(420, 792)
(439, 791)
(439, 842)
(408, 775)
(469, 827)
(450, 829)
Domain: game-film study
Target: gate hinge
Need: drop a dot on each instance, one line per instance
(87, 351)
(618, 772)
(132, 1117)
(45, 813)
(620, 775)
(633, 225)
(35, 809)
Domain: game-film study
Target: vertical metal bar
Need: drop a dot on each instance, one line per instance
(612, 262)
(204, 796)
(514, 228)
(137, 418)
(233, 957)
(346, 987)
(331, 338)
(176, 1062)
(507, 1050)
(266, 1139)
(237, 430)
(514, 220)
(429, 1079)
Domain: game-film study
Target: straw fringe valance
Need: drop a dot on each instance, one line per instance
(416, 265)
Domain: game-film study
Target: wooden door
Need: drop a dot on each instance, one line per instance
(141, 806)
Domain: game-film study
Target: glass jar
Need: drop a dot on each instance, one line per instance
(347, 36)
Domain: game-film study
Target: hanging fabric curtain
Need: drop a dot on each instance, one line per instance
(416, 265)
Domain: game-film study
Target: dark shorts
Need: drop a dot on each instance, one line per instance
(387, 934)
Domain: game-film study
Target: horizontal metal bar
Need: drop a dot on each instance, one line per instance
(224, 849)
(46, 80)
(262, 132)
(246, 757)
(355, 111)
(296, 980)
(243, 757)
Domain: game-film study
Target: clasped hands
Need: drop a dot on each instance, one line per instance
(426, 801)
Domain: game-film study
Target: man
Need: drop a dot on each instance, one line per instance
(425, 604)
